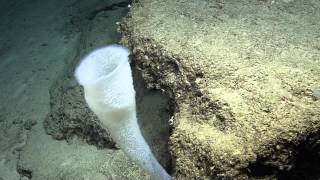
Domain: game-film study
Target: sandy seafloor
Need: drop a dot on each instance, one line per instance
(35, 46)
(32, 53)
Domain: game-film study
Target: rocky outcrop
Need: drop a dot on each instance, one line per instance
(245, 80)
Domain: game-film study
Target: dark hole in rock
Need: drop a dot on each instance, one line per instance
(305, 163)
(25, 173)
(154, 111)
(259, 169)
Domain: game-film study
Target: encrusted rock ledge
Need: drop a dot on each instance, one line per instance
(245, 79)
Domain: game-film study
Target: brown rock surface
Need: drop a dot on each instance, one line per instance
(245, 78)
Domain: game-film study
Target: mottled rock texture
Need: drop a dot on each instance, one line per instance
(244, 77)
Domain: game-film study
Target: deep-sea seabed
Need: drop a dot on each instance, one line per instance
(40, 41)
(32, 53)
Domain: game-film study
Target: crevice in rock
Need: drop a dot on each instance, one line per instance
(154, 109)
(302, 163)
(25, 173)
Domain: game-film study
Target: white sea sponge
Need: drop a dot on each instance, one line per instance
(106, 77)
